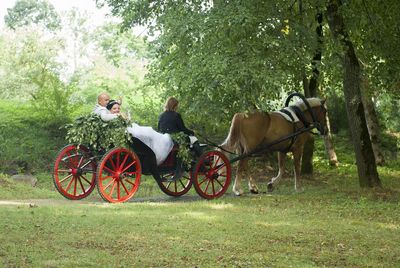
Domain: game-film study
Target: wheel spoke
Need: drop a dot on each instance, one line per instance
(69, 184)
(219, 166)
(113, 187)
(131, 164)
(216, 162)
(168, 184)
(69, 158)
(213, 188)
(123, 185)
(75, 184)
(220, 183)
(124, 161)
(183, 185)
(130, 182)
(63, 170)
(108, 185)
(118, 190)
(208, 184)
(80, 182)
(67, 177)
(112, 163)
(205, 178)
(80, 161)
(118, 157)
(83, 177)
(109, 170)
(87, 163)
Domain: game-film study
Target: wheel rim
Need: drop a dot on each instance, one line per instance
(177, 187)
(74, 172)
(212, 175)
(118, 175)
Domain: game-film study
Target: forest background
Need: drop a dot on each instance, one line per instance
(216, 57)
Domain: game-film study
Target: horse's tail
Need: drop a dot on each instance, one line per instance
(233, 141)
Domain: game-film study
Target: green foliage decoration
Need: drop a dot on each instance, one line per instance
(91, 131)
(184, 153)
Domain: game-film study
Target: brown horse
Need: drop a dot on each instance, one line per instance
(250, 132)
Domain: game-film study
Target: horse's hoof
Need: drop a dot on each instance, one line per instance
(270, 187)
(254, 191)
(237, 193)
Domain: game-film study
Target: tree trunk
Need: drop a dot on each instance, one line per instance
(310, 90)
(372, 123)
(367, 172)
(330, 151)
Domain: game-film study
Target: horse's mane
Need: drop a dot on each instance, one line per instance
(312, 101)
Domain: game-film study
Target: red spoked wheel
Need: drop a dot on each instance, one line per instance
(175, 187)
(212, 175)
(74, 172)
(119, 175)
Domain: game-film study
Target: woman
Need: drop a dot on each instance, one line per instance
(160, 144)
(170, 121)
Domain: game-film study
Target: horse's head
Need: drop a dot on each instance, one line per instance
(320, 117)
(317, 115)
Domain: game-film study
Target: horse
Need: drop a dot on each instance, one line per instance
(262, 132)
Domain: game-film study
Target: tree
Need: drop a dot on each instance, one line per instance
(118, 46)
(28, 12)
(367, 172)
(29, 72)
(232, 56)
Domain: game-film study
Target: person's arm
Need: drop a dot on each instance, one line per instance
(108, 117)
(104, 114)
(182, 127)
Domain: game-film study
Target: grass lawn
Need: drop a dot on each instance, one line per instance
(332, 223)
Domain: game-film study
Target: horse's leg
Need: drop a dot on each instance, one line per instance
(252, 185)
(281, 164)
(241, 169)
(297, 154)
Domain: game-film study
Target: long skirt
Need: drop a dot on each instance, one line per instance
(161, 144)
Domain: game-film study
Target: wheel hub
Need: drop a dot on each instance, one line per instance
(76, 171)
(214, 175)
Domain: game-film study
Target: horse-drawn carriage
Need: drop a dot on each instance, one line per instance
(117, 172)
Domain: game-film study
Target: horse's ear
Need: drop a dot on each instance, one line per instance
(323, 101)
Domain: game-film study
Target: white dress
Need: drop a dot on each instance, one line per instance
(161, 144)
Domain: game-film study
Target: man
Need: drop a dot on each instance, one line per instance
(101, 107)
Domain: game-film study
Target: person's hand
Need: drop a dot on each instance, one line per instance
(123, 116)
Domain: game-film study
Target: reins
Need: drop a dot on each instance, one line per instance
(214, 144)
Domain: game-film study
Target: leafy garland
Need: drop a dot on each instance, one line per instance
(97, 134)
(91, 131)
(184, 153)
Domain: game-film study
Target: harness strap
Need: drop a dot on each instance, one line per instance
(287, 113)
(292, 140)
(300, 115)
